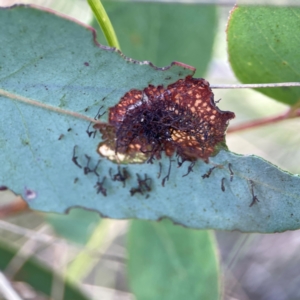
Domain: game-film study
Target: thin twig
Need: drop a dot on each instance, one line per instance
(36, 103)
(265, 121)
(222, 2)
(254, 85)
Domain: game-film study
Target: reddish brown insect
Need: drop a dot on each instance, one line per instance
(181, 118)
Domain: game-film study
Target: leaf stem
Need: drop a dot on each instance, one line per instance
(254, 85)
(104, 22)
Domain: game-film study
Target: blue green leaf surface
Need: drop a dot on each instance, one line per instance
(53, 61)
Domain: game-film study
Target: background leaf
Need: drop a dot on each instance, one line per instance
(76, 226)
(163, 32)
(263, 46)
(171, 262)
(37, 144)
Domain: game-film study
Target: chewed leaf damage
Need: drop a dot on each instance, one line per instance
(181, 118)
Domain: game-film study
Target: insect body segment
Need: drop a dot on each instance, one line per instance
(121, 176)
(87, 169)
(254, 197)
(144, 185)
(97, 117)
(100, 186)
(74, 158)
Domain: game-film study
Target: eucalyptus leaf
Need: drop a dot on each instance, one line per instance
(171, 262)
(263, 46)
(56, 64)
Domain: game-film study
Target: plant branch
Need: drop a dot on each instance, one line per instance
(265, 121)
(254, 85)
(46, 106)
(224, 2)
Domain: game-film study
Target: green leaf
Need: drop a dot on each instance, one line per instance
(172, 262)
(77, 226)
(52, 61)
(263, 46)
(38, 276)
(164, 32)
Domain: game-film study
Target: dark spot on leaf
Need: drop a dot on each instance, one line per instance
(25, 142)
(29, 194)
(61, 136)
(75, 180)
(86, 64)
(69, 129)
